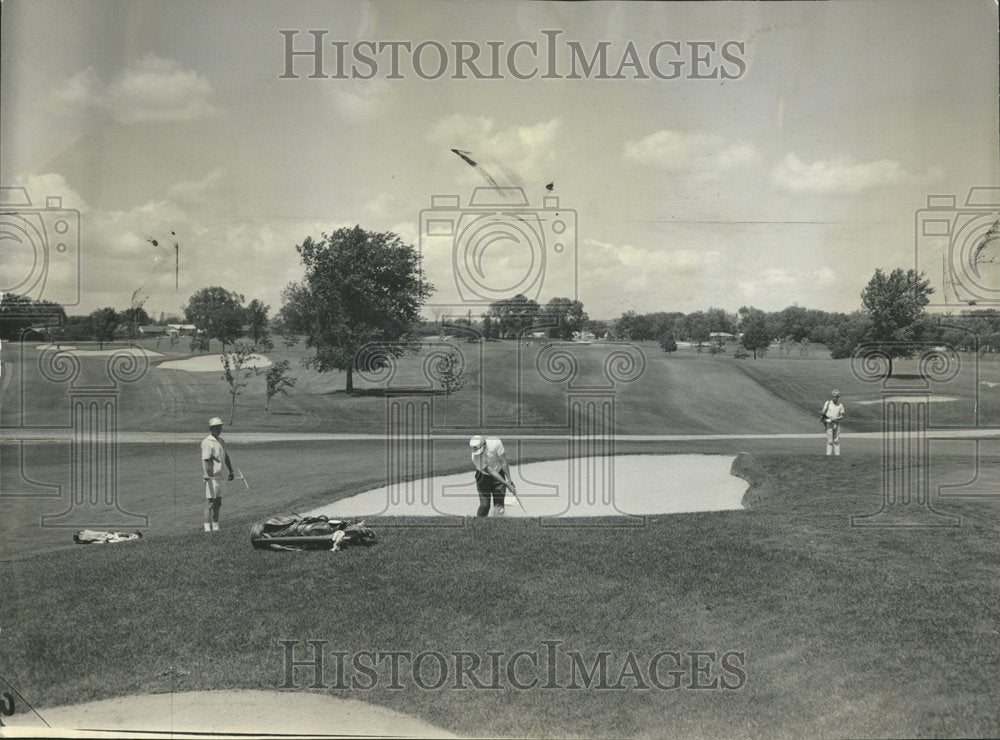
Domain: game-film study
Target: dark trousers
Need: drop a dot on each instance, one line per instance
(489, 489)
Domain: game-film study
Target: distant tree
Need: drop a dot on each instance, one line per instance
(667, 342)
(280, 327)
(277, 381)
(895, 305)
(693, 327)
(135, 317)
(849, 335)
(217, 312)
(489, 328)
(103, 324)
(199, 343)
(634, 327)
(756, 333)
(258, 328)
(18, 313)
(360, 288)
(236, 373)
(452, 376)
(568, 315)
(514, 316)
(717, 348)
(719, 320)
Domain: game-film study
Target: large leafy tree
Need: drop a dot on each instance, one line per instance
(895, 305)
(360, 288)
(568, 316)
(514, 316)
(218, 313)
(757, 334)
(103, 323)
(633, 326)
(258, 327)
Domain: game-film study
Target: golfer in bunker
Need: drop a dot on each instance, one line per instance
(492, 474)
(213, 457)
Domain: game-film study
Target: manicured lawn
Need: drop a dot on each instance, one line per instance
(845, 631)
(505, 389)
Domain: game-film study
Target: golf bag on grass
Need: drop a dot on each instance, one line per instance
(96, 537)
(297, 532)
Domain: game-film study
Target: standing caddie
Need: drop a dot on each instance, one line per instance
(213, 458)
(831, 416)
(492, 474)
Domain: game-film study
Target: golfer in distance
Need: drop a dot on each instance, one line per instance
(492, 474)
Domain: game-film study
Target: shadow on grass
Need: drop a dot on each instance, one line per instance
(386, 392)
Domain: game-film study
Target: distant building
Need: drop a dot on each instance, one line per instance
(153, 330)
(179, 329)
(721, 336)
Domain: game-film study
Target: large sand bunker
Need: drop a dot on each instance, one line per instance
(251, 712)
(578, 487)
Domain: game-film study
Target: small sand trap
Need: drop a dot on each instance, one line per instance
(643, 484)
(210, 363)
(930, 399)
(253, 712)
(106, 352)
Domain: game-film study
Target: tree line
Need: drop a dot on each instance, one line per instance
(364, 289)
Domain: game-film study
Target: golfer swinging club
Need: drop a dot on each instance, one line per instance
(492, 474)
(213, 456)
(831, 416)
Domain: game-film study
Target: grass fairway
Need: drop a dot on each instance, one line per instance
(845, 632)
(682, 393)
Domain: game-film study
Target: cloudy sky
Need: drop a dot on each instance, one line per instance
(784, 174)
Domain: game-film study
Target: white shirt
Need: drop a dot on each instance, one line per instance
(215, 450)
(491, 455)
(833, 411)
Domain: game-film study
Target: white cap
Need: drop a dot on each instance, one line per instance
(476, 442)
(834, 392)
(215, 421)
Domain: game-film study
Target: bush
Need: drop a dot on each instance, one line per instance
(741, 354)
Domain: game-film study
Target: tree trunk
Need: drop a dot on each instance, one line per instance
(350, 380)
(232, 411)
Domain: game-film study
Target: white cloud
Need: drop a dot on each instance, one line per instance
(840, 176)
(195, 191)
(154, 89)
(691, 152)
(360, 99)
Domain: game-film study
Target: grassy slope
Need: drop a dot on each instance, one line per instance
(682, 393)
(847, 632)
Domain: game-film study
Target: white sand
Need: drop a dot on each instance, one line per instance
(211, 363)
(106, 352)
(293, 713)
(929, 399)
(643, 484)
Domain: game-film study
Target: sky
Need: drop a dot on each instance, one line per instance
(784, 172)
